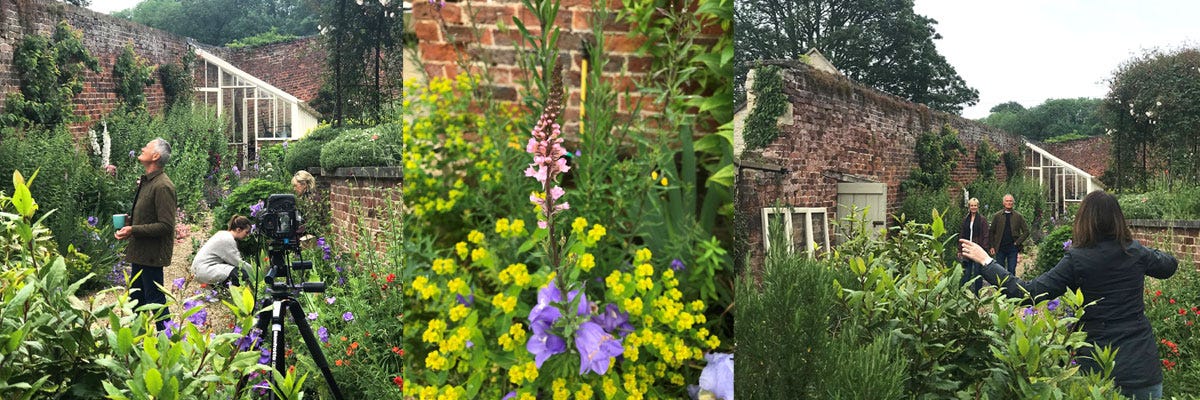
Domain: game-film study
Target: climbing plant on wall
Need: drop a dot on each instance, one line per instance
(132, 75)
(762, 125)
(937, 153)
(986, 160)
(51, 74)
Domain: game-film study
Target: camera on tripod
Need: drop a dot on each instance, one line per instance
(280, 222)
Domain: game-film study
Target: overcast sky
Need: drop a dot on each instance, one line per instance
(108, 6)
(1032, 50)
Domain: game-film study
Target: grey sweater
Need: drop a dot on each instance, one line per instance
(217, 258)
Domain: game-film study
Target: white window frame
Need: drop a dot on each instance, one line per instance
(787, 213)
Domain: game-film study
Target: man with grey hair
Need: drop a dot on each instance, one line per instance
(150, 228)
(1008, 233)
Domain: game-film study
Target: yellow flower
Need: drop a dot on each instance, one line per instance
(443, 266)
(429, 393)
(560, 389)
(631, 352)
(502, 226)
(505, 303)
(644, 270)
(462, 250)
(633, 306)
(435, 361)
(526, 395)
(478, 254)
(516, 228)
(457, 286)
(475, 237)
(609, 387)
(585, 391)
(587, 261)
(643, 255)
(645, 284)
(596, 233)
(654, 175)
(433, 333)
(459, 312)
(663, 181)
(579, 225)
(697, 305)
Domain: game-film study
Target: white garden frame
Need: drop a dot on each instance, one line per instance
(1064, 183)
(788, 224)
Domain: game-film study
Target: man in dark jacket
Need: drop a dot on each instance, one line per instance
(1008, 234)
(151, 228)
(975, 229)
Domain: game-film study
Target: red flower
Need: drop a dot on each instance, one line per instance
(1172, 301)
(399, 382)
(391, 277)
(1157, 293)
(1183, 311)
(396, 349)
(1168, 364)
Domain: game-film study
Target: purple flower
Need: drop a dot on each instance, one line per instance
(613, 320)
(596, 348)
(348, 316)
(92, 221)
(171, 327)
(677, 265)
(312, 316)
(256, 208)
(329, 300)
(578, 153)
(177, 283)
(323, 334)
(248, 342)
(1027, 311)
(1067, 245)
(132, 154)
(321, 241)
(1053, 305)
(717, 376)
(544, 344)
(466, 301)
(237, 172)
(266, 355)
(510, 395)
(470, 344)
(200, 316)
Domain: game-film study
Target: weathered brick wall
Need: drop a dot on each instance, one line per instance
(1179, 237)
(839, 128)
(103, 36)
(1091, 155)
(295, 66)
(440, 50)
(364, 201)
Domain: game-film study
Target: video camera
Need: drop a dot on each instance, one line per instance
(280, 220)
(281, 223)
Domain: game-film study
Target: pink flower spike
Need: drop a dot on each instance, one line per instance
(563, 206)
(541, 224)
(556, 192)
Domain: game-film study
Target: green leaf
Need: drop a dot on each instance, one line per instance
(154, 381)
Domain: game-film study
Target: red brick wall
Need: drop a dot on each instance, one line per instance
(1091, 155)
(296, 66)
(364, 204)
(440, 49)
(103, 36)
(1179, 237)
(840, 127)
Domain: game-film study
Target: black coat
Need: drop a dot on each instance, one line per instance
(981, 230)
(1114, 278)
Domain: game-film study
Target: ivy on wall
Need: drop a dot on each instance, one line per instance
(762, 125)
(178, 81)
(132, 75)
(51, 74)
(937, 153)
(986, 160)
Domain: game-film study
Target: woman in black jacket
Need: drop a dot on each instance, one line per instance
(1110, 269)
(974, 228)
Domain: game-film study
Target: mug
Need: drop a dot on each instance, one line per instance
(118, 221)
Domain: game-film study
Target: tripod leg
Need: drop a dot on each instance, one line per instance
(314, 348)
(278, 341)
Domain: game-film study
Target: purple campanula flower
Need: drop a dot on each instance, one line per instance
(1053, 304)
(312, 316)
(321, 241)
(1067, 245)
(171, 327)
(596, 348)
(613, 320)
(247, 342)
(470, 344)
(323, 334)
(1027, 311)
(466, 301)
(578, 153)
(201, 316)
(510, 395)
(544, 344)
(329, 300)
(178, 283)
(266, 355)
(677, 265)
(92, 221)
(717, 376)
(348, 316)
(256, 208)
(236, 172)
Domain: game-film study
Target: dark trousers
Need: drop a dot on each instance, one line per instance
(971, 270)
(1007, 257)
(147, 279)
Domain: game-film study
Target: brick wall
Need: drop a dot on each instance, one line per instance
(440, 49)
(1179, 237)
(292, 66)
(296, 66)
(1091, 155)
(840, 131)
(363, 201)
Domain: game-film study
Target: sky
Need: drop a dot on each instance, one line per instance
(108, 6)
(1032, 50)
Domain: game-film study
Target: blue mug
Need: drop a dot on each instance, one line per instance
(118, 221)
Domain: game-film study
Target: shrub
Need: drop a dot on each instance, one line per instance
(246, 195)
(1162, 200)
(306, 152)
(369, 147)
(1051, 250)
(919, 203)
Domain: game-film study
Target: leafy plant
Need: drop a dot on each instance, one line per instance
(132, 75)
(762, 126)
(306, 152)
(936, 158)
(51, 75)
(1051, 250)
(369, 147)
(986, 160)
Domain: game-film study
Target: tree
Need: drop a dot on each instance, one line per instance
(1053, 118)
(218, 22)
(1153, 112)
(363, 38)
(881, 43)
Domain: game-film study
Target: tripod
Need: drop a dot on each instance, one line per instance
(283, 297)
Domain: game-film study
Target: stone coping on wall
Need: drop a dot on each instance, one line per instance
(1165, 223)
(361, 172)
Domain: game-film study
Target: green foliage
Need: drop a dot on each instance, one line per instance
(762, 126)
(986, 160)
(883, 44)
(1162, 200)
(364, 59)
(217, 22)
(245, 195)
(918, 203)
(132, 75)
(199, 145)
(1053, 118)
(1171, 306)
(1066, 138)
(378, 146)
(1027, 193)
(937, 154)
(306, 152)
(1152, 116)
(177, 81)
(1051, 250)
(50, 71)
(1014, 165)
(269, 37)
